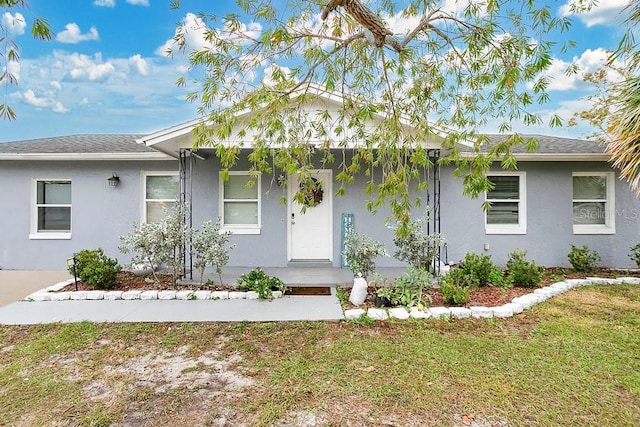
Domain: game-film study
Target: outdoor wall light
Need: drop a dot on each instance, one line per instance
(71, 263)
(114, 180)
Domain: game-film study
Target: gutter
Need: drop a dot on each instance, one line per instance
(552, 157)
(85, 156)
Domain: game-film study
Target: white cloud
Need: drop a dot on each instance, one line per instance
(13, 67)
(195, 34)
(399, 24)
(59, 108)
(30, 98)
(46, 101)
(13, 24)
(457, 7)
(604, 12)
(139, 65)
(105, 3)
(56, 85)
(267, 78)
(588, 62)
(138, 2)
(72, 34)
(82, 67)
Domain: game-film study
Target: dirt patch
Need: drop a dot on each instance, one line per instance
(169, 387)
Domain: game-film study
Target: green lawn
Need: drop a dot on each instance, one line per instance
(573, 360)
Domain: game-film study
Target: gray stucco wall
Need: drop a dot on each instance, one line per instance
(100, 214)
(549, 219)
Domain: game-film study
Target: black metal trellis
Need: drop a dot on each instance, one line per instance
(433, 202)
(185, 168)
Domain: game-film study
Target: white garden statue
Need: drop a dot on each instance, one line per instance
(359, 291)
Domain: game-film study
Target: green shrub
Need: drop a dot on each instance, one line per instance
(361, 252)
(523, 272)
(459, 276)
(454, 294)
(635, 254)
(94, 268)
(259, 281)
(407, 289)
(480, 267)
(583, 259)
(496, 278)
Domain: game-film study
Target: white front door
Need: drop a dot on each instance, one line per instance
(310, 233)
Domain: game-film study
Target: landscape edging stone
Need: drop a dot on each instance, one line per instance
(516, 306)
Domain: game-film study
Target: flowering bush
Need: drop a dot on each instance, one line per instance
(259, 281)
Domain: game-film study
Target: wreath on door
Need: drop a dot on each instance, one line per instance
(312, 194)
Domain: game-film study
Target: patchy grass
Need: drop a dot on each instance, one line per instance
(572, 360)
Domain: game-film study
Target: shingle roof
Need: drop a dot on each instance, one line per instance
(556, 145)
(116, 143)
(81, 144)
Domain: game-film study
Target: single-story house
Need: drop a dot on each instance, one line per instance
(63, 194)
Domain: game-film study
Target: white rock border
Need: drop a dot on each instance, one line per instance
(51, 293)
(516, 306)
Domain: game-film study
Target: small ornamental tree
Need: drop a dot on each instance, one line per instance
(415, 246)
(154, 244)
(210, 247)
(361, 252)
(146, 243)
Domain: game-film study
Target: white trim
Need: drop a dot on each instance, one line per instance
(35, 234)
(143, 190)
(240, 228)
(87, 156)
(521, 226)
(609, 227)
(563, 157)
(170, 140)
(550, 157)
(49, 236)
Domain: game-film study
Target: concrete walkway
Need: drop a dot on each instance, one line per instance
(288, 308)
(15, 285)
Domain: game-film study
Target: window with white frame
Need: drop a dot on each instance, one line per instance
(160, 194)
(240, 203)
(507, 213)
(593, 203)
(51, 214)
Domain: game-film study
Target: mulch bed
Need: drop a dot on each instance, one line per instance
(127, 281)
(487, 296)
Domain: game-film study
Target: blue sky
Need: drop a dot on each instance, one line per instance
(105, 71)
